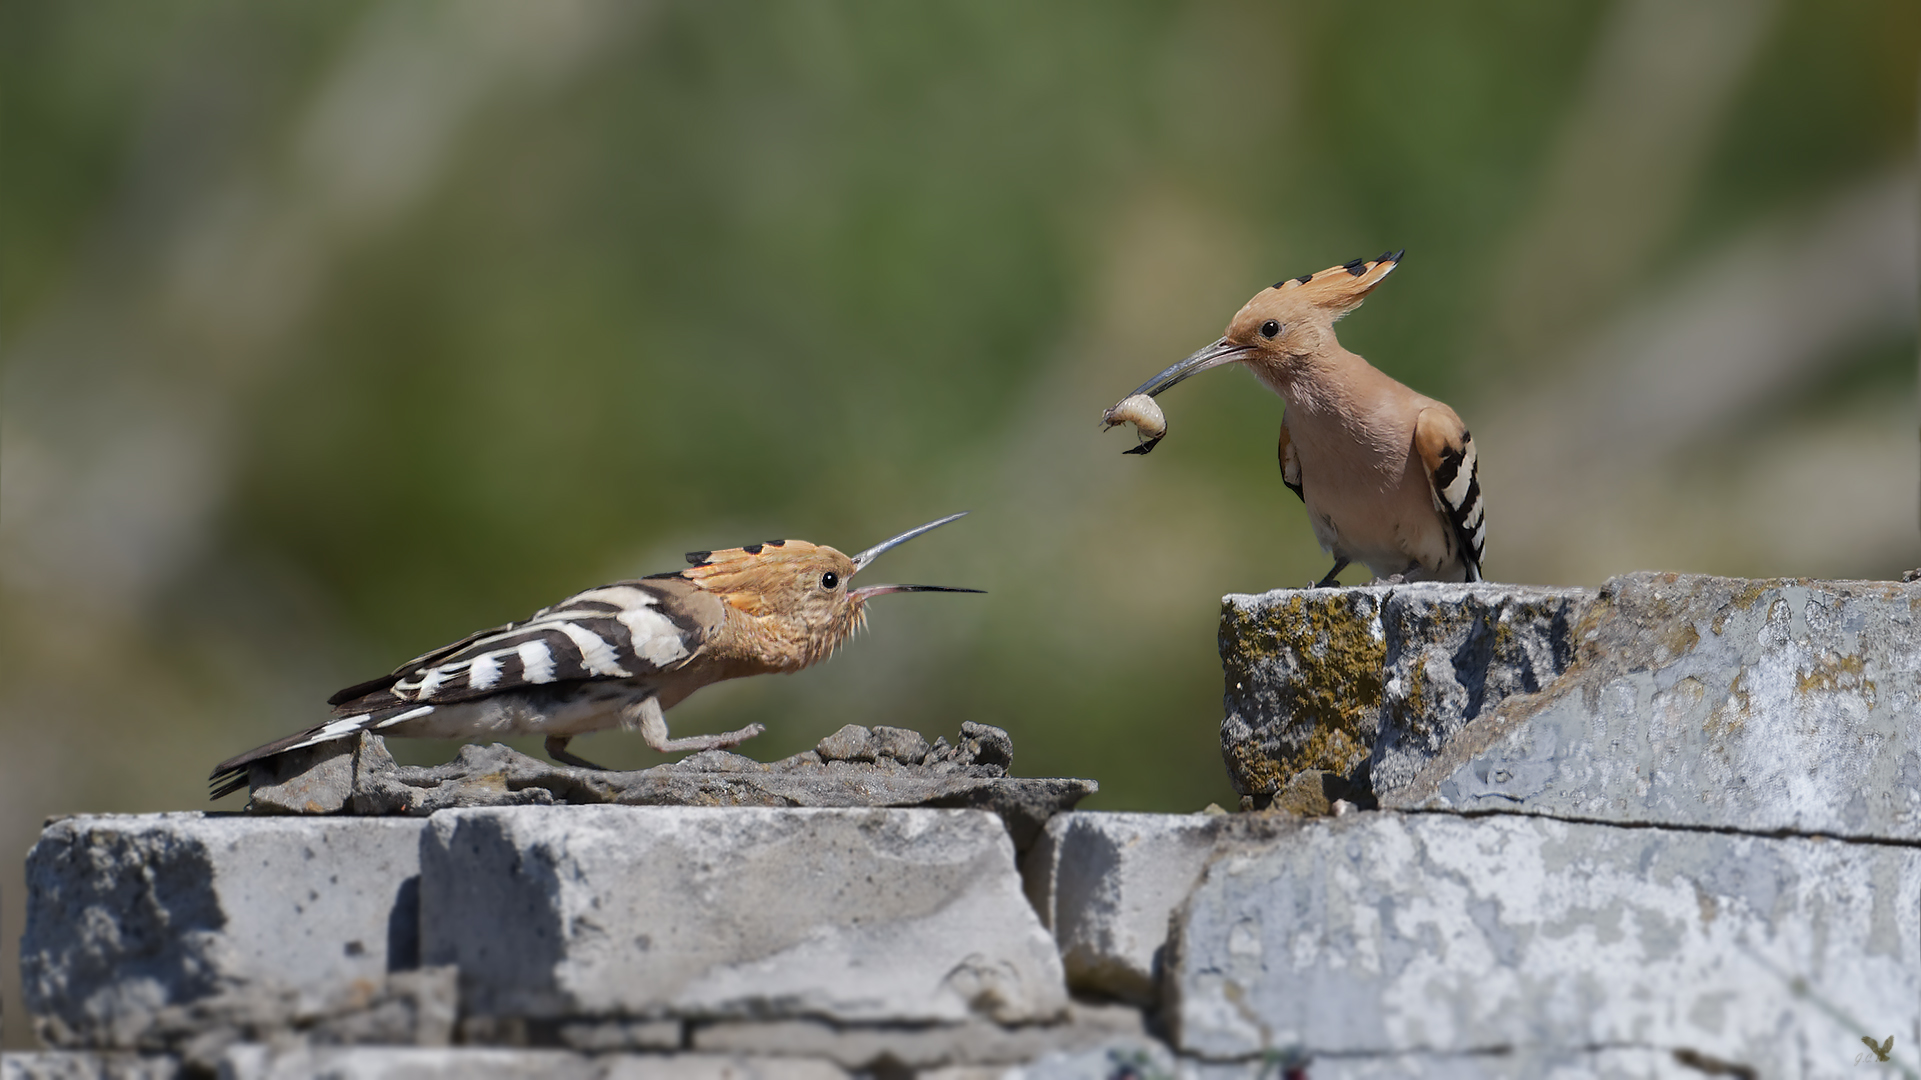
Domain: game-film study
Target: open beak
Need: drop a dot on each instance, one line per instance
(1213, 356)
(875, 552)
(872, 553)
(867, 591)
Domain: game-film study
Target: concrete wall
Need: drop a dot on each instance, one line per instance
(1666, 828)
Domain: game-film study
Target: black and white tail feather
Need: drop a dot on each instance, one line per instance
(1457, 495)
(626, 631)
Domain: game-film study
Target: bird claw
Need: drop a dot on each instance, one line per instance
(735, 738)
(698, 743)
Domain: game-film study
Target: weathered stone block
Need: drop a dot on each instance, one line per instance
(312, 780)
(137, 923)
(1454, 652)
(1375, 679)
(1153, 1060)
(1660, 699)
(1106, 883)
(913, 916)
(256, 1062)
(1304, 670)
(1761, 705)
(1385, 933)
(87, 1065)
(853, 767)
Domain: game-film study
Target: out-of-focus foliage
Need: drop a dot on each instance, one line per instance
(335, 331)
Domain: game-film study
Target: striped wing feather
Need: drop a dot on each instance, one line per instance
(1453, 473)
(625, 630)
(629, 629)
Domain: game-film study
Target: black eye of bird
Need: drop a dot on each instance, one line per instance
(1270, 328)
(829, 580)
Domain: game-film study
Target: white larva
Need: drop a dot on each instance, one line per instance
(1142, 412)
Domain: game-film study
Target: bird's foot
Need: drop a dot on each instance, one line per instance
(708, 742)
(557, 749)
(1393, 579)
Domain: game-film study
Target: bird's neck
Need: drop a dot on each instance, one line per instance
(1319, 380)
(762, 644)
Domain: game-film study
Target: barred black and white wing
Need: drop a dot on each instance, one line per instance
(1447, 450)
(616, 631)
(627, 630)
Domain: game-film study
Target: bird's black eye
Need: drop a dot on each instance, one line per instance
(829, 580)
(1270, 328)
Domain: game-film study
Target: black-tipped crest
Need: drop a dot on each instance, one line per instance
(698, 558)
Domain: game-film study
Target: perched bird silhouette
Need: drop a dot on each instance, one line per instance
(1388, 475)
(617, 656)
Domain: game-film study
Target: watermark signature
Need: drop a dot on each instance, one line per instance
(1881, 1049)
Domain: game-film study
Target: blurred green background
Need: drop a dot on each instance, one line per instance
(334, 331)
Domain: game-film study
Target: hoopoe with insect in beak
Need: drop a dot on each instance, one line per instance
(1388, 475)
(617, 656)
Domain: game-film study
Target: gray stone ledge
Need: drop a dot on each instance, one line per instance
(142, 929)
(904, 916)
(1665, 699)
(258, 1062)
(1769, 706)
(1354, 681)
(1383, 933)
(855, 766)
(1105, 885)
(1614, 1063)
(87, 1065)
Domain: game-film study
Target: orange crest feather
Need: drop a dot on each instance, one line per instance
(1341, 289)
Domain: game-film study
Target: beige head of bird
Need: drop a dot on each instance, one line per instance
(1290, 322)
(800, 591)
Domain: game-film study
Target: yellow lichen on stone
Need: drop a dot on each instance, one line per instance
(1742, 600)
(1253, 772)
(1333, 702)
(1685, 639)
(1831, 672)
(1331, 749)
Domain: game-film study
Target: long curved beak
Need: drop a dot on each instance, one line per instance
(1213, 356)
(867, 591)
(875, 552)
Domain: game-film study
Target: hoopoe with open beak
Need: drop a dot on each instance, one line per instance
(1388, 475)
(617, 656)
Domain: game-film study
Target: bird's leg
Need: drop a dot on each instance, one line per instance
(557, 749)
(1333, 577)
(1401, 578)
(647, 716)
